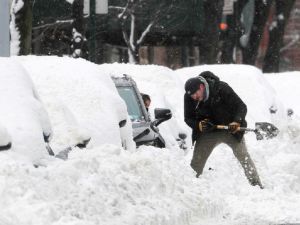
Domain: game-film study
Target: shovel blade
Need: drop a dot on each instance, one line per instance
(265, 130)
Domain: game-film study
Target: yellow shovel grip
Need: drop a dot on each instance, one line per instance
(223, 127)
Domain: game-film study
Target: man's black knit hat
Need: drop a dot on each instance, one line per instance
(192, 85)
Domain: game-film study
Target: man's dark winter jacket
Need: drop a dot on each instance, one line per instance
(222, 107)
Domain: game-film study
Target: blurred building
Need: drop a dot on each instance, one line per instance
(291, 49)
(175, 47)
(290, 52)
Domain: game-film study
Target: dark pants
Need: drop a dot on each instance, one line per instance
(207, 142)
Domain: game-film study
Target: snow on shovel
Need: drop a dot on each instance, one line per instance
(262, 130)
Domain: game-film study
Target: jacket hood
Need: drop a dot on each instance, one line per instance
(209, 79)
(203, 81)
(209, 76)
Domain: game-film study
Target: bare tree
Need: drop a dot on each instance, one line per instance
(79, 42)
(134, 15)
(276, 33)
(21, 27)
(62, 34)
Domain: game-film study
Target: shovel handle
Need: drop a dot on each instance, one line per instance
(262, 130)
(224, 127)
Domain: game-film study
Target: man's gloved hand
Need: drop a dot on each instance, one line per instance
(234, 127)
(205, 125)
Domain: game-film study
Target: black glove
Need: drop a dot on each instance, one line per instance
(205, 125)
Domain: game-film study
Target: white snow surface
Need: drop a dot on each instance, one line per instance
(106, 184)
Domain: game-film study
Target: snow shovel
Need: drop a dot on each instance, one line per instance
(262, 130)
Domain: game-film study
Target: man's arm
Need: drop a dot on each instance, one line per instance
(234, 102)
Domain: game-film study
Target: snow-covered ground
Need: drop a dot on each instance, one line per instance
(105, 184)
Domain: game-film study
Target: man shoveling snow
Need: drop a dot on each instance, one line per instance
(209, 102)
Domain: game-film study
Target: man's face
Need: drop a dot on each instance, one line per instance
(147, 103)
(199, 95)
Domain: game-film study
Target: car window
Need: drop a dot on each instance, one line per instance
(129, 96)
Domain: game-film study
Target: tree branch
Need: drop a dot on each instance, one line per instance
(58, 22)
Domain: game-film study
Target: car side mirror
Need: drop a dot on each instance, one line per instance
(162, 115)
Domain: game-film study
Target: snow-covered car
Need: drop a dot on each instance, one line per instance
(145, 131)
(82, 103)
(24, 122)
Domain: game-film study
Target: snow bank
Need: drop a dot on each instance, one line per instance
(82, 102)
(22, 113)
(105, 185)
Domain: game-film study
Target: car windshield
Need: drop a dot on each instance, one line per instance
(129, 96)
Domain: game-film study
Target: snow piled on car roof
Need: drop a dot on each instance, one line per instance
(22, 113)
(81, 101)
